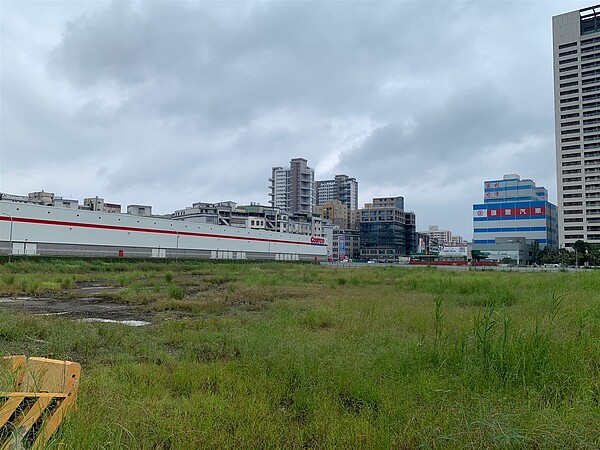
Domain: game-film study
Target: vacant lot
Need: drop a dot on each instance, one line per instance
(302, 356)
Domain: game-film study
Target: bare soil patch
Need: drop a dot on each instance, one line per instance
(87, 301)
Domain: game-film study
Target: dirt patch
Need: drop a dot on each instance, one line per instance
(79, 308)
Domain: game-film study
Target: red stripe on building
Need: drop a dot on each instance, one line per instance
(146, 230)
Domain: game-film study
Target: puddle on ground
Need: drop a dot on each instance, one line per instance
(131, 323)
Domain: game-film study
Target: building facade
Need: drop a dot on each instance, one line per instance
(386, 230)
(342, 188)
(576, 49)
(334, 211)
(440, 237)
(292, 188)
(345, 245)
(514, 211)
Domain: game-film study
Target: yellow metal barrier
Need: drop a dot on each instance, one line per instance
(42, 391)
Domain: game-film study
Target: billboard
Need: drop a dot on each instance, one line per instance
(456, 251)
(342, 246)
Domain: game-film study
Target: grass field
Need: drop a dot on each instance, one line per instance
(303, 356)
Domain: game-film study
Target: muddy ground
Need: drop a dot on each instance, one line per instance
(88, 301)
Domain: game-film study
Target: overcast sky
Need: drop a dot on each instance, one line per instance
(170, 102)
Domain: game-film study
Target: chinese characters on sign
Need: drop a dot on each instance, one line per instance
(517, 212)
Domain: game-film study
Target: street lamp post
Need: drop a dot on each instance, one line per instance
(9, 235)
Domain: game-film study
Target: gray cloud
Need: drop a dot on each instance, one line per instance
(172, 102)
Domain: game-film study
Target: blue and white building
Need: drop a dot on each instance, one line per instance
(514, 210)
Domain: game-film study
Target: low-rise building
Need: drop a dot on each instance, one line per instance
(139, 210)
(98, 204)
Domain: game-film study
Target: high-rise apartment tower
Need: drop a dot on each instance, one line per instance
(342, 188)
(576, 45)
(293, 188)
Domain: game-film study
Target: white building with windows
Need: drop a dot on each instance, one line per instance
(576, 48)
(292, 188)
(342, 188)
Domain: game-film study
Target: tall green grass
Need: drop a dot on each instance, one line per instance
(290, 356)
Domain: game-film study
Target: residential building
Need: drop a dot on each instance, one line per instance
(65, 203)
(386, 230)
(514, 211)
(576, 48)
(457, 240)
(292, 188)
(342, 188)
(334, 211)
(441, 237)
(14, 198)
(41, 198)
(139, 210)
(98, 204)
(253, 216)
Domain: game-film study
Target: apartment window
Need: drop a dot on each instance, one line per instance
(595, 112)
(570, 163)
(570, 108)
(570, 91)
(569, 116)
(591, 137)
(587, 73)
(572, 179)
(565, 172)
(572, 196)
(570, 44)
(573, 220)
(574, 236)
(576, 130)
(587, 41)
(570, 124)
(586, 146)
(569, 84)
(574, 228)
(573, 211)
(571, 188)
(570, 52)
(570, 147)
(589, 65)
(591, 89)
(566, 77)
(593, 48)
(569, 100)
(589, 80)
(591, 129)
(567, 61)
(571, 139)
(588, 57)
(591, 121)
